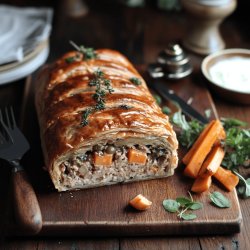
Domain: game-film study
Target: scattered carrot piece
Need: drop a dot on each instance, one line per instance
(212, 163)
(136, 156)
(201, 150)
(201, 184)
(226, 178)
(140, 202)
(102, 160)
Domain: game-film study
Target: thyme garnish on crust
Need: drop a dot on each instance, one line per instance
(136, 81)
(88, 53)
(103, 87)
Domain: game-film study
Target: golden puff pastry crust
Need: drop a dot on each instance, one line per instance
(127, 139)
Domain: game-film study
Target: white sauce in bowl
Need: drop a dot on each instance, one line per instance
(232, 73)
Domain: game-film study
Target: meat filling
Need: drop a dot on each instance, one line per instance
(108, 163)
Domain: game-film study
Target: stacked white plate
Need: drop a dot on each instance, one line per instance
(24, 45)
(16, 70)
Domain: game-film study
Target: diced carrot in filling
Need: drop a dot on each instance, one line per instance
(102, 160)
(137, 157)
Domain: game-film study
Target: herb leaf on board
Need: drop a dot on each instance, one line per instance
(219, 200)
(244, 188)
(171, 206)
(188, 216)
(195, 205)
(182, 205)
(183, 201)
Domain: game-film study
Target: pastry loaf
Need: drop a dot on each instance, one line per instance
(99, 124)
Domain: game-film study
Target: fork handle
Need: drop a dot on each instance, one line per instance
(27, 210)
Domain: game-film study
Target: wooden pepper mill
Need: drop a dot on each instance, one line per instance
(204, 18)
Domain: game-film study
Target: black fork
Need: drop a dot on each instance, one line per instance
(13, 145)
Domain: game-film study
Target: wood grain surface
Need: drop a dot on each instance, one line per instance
(104, 211)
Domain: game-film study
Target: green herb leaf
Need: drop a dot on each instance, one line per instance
(189, 130)
(244, 187)
(88, 53)
(103, 87)
(171, 206)
(188, 216)
(85, 116)
(219, 200)
(236, 145)
(195, 205)
(183, 201)
(126, 107)
(166, 110)
(70, 59)
(232, 122)
(158, 99)
(208, 113)
(136, 81)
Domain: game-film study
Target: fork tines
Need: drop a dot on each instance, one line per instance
(9, 117)
(5, 136)
(6, 124)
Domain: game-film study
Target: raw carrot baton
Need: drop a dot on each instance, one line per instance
(102, 160)
(226, 178)
(137, 156)
(201, 184)
(140, 202)
(202, 150)
(190, 153)
(212, 162)
(221, 136)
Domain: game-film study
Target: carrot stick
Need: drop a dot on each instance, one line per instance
(201, 184)
(202, 150)
(190, 153)
(221, 136)
(212, 162)
(226, 178)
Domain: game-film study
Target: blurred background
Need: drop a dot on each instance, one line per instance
(125, 25)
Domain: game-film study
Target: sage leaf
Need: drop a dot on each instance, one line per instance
(184, 201)
(195, 206)
(219, 200)
(188, 216)
(171, 206)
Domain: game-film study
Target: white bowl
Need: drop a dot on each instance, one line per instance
(228, 73)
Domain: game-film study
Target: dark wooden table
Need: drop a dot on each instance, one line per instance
(139, 33)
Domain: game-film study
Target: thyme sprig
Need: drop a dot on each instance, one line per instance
(103, 87)
(85, 116)
(88, 53)
(126, 107)
(136, 81)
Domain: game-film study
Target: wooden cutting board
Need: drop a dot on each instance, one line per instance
(104, 211)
